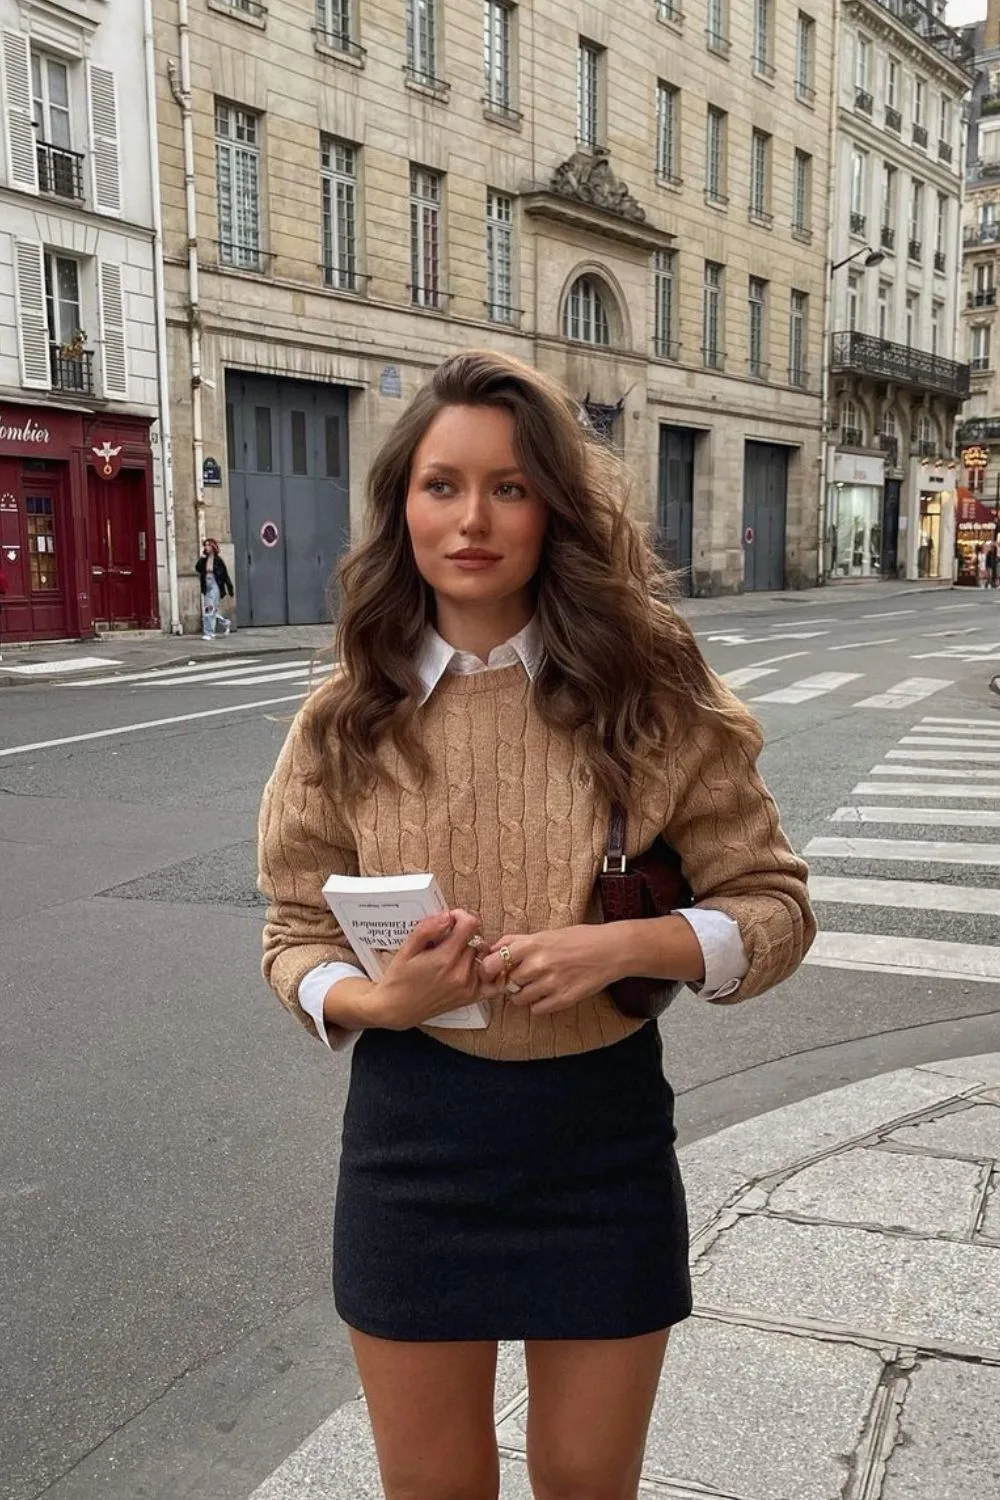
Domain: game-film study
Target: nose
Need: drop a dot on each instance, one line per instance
(476, 515)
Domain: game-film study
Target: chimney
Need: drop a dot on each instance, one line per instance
(991, 37)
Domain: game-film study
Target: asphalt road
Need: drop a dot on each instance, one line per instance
(170, 1138)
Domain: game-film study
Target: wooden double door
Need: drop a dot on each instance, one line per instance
(119, 549)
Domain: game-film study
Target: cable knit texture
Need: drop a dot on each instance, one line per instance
(508, 822)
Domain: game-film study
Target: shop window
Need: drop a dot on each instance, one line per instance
(42, 544)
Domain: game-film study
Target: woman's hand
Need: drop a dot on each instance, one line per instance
(435, 970)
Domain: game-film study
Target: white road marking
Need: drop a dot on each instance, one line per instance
(888, 614)
(915, 851)
(51, 668)
(733, 639)
(940, 635)
(955, 741)
(992, 723)
(167, 674)
(289, 672)
(886, 640)
(770, 661)
(921, 789)
(809, 687)
(931, 817)
(911, 895)
(904, 694)
(946, 609)
(926, 957)
(743, 675)
(104, 734)
(968, 772)
(948, 755)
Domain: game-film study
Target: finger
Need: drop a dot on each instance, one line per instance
(426, 934)
(464, 925)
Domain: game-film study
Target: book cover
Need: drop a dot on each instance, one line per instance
(378, 913)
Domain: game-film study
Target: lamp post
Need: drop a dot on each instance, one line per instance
(872, 258)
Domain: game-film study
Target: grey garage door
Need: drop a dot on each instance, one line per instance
(675, 503)
(765, 488)
(288, 495)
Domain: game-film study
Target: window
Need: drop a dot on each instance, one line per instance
(668, 10)
(802, 195)
(333, 25)
(62, 299)
(853, 302)
(425, 241)
(862, 67)
(763, 22)
(588, 94)
(421, 39)
(760, 173)
(756, 328)
(944, 127)
(926, 436)
(712, 332)
(668, 118)
(50, 101)
(883, 320)
(665, 302)
(983, 290)
(499, 257)
(987, 215)
(912, 319)
(941, 232)
(43, 570)
(715, 165)
(237, 169)
(850, 425)
(805, 47)
(888, 206)
(339, 172)
(859, 221)
(715, 26)
(498, 22)
(919, 100)
(916, 220)
(937, 328)
(798, 327)
(892, 89)
(585, 317)
(980, 348)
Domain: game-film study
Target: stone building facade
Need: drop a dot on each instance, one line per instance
(637, 209)
(897, 375)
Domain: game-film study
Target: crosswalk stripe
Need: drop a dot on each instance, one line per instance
(167, 674)
(928, 957)
(904, 694)
(944, 817)
(809, 687)
(983, 736)
(249, 677)
(743, 675)
(916, 851)
(973, 723)
(942, 740)
(952, 755)
(911, 895)
(945, 773)
(922, 789)
(886, 640)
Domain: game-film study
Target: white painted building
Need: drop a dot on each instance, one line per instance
(896, 373)
(81, 527)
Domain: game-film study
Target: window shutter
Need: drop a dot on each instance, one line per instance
(105, 168)
(22, 159)
(32, 325)
(112, 307)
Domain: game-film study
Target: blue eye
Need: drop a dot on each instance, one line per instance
(511, 491)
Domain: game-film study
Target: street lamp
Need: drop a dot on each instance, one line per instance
(872, 258)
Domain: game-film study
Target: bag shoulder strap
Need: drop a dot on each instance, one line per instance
(615, 856)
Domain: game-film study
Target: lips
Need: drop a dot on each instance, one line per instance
(474, 554)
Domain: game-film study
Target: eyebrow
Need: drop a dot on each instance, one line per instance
(453, 469)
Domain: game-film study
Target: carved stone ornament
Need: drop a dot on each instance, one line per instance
(588, 178)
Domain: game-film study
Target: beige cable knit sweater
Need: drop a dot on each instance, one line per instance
(508, 822)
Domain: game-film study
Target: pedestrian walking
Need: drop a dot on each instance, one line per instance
(215, 585)
(991, 564)
(512, 674)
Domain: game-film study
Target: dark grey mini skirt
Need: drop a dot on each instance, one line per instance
(509, 1200)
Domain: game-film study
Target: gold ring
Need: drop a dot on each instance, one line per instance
(475, 941)
(506, 960)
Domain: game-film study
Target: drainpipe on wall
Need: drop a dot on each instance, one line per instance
(181, 89)
(824, 400)
(166, 450)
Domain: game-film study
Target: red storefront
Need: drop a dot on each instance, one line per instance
(77, 538)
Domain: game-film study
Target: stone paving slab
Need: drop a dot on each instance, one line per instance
(991, 1217)
(968, 1132)
(926, 1194)
(983, 1069)
(949, 1447)
(895, 1288)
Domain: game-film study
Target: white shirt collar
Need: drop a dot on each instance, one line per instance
(436, 657)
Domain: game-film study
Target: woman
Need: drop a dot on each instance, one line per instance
(215, 584)
(509, 667)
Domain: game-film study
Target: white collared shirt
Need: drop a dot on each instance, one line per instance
(718, 935)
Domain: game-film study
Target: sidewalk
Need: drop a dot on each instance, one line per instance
(846, 1338)
(131, 652)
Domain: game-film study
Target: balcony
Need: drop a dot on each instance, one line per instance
(920, 135)
(940, 262)
(864, 101)
(914, 250)
(893, 119)
(60, 172)
(852, 437)
(977, 430)
(72, 369)
(926, 448)
(888, 238)
(859, 225)
(927, 25)
(981, 234)
(945, 152)
(863, 354)
(989, 104)
(717, 43)
(890, 447)
(337, 40)
(985, 298)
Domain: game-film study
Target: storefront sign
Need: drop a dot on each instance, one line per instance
(975, 458)
(858, 468)
(106, 458)
(390, 382)
(23, 429)
(39, 433)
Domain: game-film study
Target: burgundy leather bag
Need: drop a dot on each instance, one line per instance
(651, 885)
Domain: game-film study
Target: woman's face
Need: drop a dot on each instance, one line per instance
(476, 524)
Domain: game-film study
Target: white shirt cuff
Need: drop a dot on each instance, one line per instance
(722, 949)
(313, 988)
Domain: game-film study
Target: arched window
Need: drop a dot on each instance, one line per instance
(927, 436)
(851, 434)
(585, 316)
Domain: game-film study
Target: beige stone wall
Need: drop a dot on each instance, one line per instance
(286, 322)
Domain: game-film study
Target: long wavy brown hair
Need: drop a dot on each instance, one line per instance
(620, 665)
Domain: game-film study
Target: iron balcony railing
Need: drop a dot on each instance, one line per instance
(890, 447)
(989, 104)
(858, 224)
(977, 430)
(940, 262)
(72, 372)
(863, 354)
(920, 135)
(893, 118)
(60, 172)
(985, 298)
(927, 24)
(888, 237)
(981, 234)
(945, 152)
(863, 101)
(852, 437)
